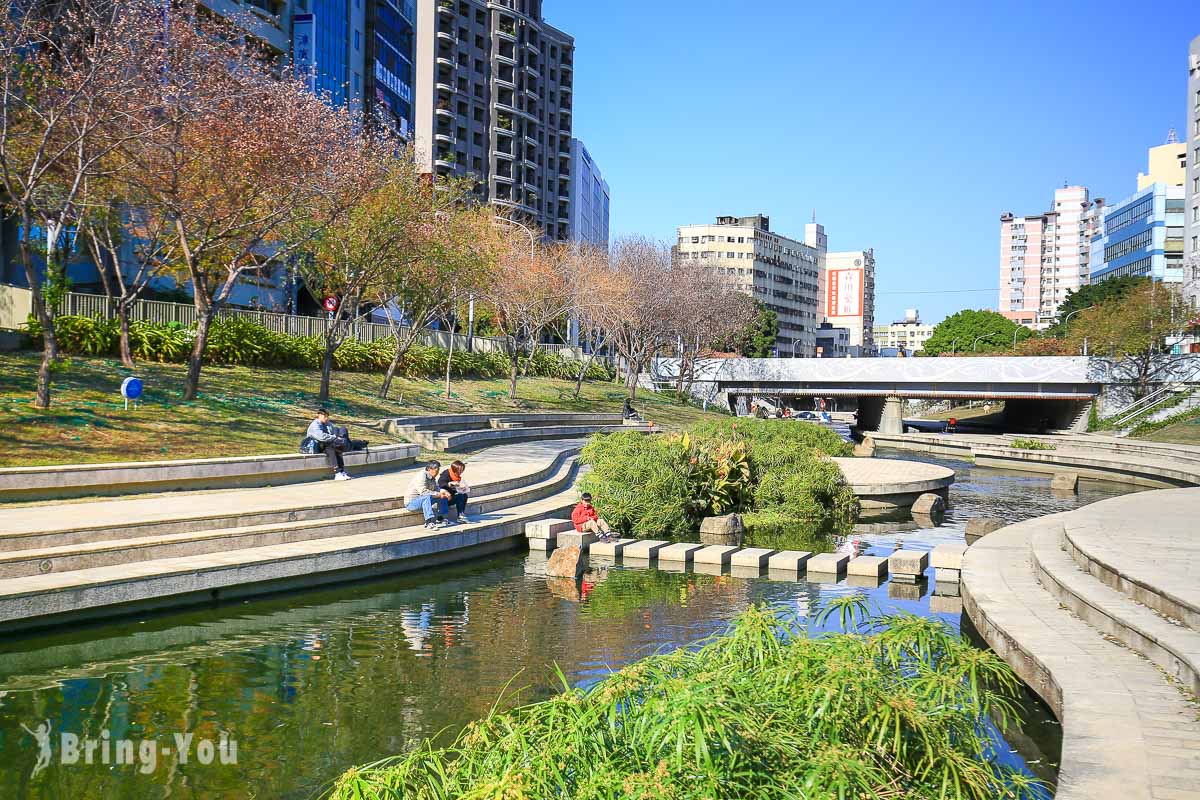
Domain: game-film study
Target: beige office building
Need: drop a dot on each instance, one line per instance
(848, 297)
(908, 334)
(1167, 164)
(783, 274)
(493, 100)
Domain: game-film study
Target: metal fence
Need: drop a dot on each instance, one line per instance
(164, 313)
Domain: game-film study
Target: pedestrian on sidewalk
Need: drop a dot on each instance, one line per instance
(423, 493)
(330, 440)
(451, 480)
(587, 520)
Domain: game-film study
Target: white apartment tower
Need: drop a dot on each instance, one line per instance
(848, 297)
(783, 274)
(1044, 256)
(493, 100)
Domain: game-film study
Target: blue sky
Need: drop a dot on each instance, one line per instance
(908, 127)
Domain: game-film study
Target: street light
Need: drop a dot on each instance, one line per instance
(953, 345)
(975, 344)
(1073, 313)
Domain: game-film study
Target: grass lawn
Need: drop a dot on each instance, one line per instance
(1187, 432)
(994, 410)
(245, 411)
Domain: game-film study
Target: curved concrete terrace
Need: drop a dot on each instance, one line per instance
(882, 483)
(134, 477)
(1139, 463)
(1067, 600)
(119, 556)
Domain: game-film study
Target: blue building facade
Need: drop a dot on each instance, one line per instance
(589, 198)
(1141, 236)
(391, 25)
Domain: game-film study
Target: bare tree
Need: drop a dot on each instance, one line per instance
(705, 313)
(69, 94)
(644, 324)
(599, 294)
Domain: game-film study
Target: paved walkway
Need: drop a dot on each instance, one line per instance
(1113, 671)
(497, 464)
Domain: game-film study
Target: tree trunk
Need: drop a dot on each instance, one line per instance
(44, 315)
(514, 366)
(397, 357)
(123, 324)
(529, 361)
(191, 386)
(327, 368)
(587, 364)
(449, 361)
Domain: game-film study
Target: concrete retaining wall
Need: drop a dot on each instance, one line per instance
(75, 480)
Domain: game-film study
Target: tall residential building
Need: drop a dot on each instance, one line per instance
(908, 335)
(493, 100)
(848, 297)
(1044, 256)
(1191, 242)
(783, 274)
(589, 198)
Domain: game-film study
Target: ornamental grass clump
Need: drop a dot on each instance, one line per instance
(901, 709)
(777, 474)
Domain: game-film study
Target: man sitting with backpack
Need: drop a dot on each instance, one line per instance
(328, 440)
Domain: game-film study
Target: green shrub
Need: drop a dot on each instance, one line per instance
(902, 709)
(164, 343)
(1031, 444)
(641, 485)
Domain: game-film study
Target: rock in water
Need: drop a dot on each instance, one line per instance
(865, 449)
(567, 562)
(726, 530)
(1065, 483)
(981, 526)
(929, 508)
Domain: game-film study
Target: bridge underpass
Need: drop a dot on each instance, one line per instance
(1038, 393)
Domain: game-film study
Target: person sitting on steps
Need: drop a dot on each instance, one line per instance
(628, 411)
(333, 442)
(423, 492)
(451, 480)
(587, 520)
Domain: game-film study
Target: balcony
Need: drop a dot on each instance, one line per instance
(447, 63)
(447, 88)
(445, 138)
(443, 110)
(447, 37)
(532, 70)
(446, 9)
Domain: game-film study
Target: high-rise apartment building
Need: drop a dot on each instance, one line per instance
(1191, 239)
(493, 100)
(783, 274)
(589, 198)
(1044, 256)
(848, 297)
(906, 335)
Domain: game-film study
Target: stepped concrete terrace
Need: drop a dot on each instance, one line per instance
(1151, 464)
(883, 484)
(426, 430)
(116, 556)
(1098, 610)
(134, 477)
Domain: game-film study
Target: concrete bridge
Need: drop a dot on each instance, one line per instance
(1036, 390)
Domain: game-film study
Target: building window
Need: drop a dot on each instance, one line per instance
(357, 39)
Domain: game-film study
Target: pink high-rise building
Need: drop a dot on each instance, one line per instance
(1044, 256)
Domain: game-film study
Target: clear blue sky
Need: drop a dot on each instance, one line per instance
(908, 127)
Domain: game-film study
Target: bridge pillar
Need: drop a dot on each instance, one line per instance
(892, 420)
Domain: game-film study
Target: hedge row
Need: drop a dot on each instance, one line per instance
(243, 342)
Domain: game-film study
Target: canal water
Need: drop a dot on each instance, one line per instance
(299, 687)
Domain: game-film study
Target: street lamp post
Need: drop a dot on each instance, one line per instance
(1068, 317)
(975, 344)
(953, 345)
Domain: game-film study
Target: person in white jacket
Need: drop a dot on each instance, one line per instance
(423, 492)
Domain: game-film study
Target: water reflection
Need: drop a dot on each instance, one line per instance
(309, 684)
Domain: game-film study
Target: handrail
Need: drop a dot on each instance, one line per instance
(1147, 403)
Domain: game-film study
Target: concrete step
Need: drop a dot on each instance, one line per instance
(1172, 646)
(462, 440)
(217, 519)
(103, 553)
(103, 592)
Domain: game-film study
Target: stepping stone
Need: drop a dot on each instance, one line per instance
(871, 566)
(948, 589)
(947, 556)
(682, 552)
(714, 554)
(672, 566)
(828, 563)
(574, 538)
(547, 529)
(609, 549)
(750, 557)
(943, 575)
(741, 571)
(789, 562)
(908, 562)
(704, 568)
(644, 549)
(864, 581)
(823, 577)
(630, 562)
(1065, 483)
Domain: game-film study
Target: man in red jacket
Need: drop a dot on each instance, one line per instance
(587, 520)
